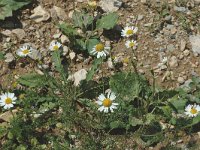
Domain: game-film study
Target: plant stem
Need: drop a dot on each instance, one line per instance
(12, 113)
(102, 74)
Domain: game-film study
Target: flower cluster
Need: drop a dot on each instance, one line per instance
(27, 50)
(129, 32)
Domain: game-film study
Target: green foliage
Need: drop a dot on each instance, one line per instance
(56, 58)
(135, 121)
(117, 124)
(8, 6)
(67, 29)
(107, 22)
(91, 43)
(94, 68)
(55, 114)
(1, 56)
(87, 38)
(32, 80)
(82, 20)
(178, 104)
(129, 85)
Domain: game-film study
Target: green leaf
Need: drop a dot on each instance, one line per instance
(149, 118)
(57, 61)
(1, 56)
(21, 147)
(129, 85)
(167, 111)
(7, 6)
(77, 19)
(32, 80)
(10, 135)
(196, 120)
(135, 121)
(107, 21)
(67, 29)
(92, 71)
(178, 104)
(81, 19)
(80, 44)
(87, 20)
(5, 11)
(3, 131)
(165, 94)
(117, 124)
(15, 4)
(90, 44)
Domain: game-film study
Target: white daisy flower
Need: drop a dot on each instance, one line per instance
(24, 51)
(131, 44)
(129, 31)
(106, 103)
(7, 100)
(100, 50)
(54, 46)
(192, 110)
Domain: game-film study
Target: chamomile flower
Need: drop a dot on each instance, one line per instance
(24, 51)
(100, 50)
(129, 31)
(7, 100)
(192, 110)
(131, 44)
(54, 46)
(106, 103)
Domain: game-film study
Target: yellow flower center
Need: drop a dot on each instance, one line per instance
(126, 60)
(129, 32)
(8, 101)
(131, 44)
(99, 47)
(107, 102)
(26, 51)
(193, 111)
(55, 47)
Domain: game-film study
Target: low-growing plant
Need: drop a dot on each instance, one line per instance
(8, 6)
(84, 33)
(52, 113)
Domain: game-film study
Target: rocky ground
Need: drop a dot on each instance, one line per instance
(168, 29)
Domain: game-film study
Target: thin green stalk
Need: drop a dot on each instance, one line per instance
(102, 74)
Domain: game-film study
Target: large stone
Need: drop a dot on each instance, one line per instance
(195, 40)
(183, 44)
(20, 33)
(6, 33)
(9, 57)
(40, 14)
(111, 5)
(173, 62)
(60, 13)
(78, 76)
(197, 2)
